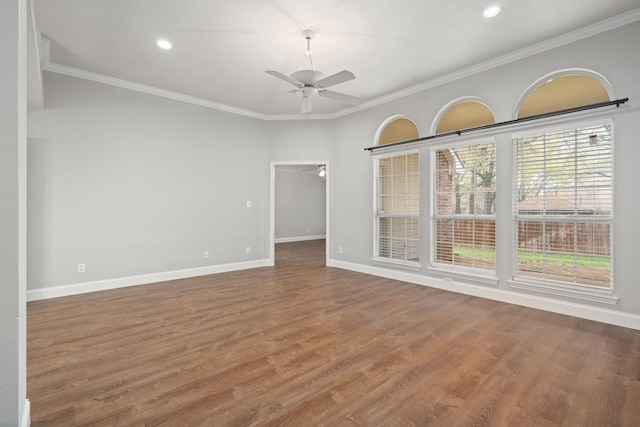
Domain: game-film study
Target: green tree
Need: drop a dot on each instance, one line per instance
(561, 161)
(475, 178)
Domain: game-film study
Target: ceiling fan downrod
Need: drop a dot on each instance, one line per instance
(308, 35)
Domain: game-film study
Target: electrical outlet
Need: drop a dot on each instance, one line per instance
(248, 250)
(248, 203)
(206, 254)
(446, 279)
(81, 268)
(339, 249)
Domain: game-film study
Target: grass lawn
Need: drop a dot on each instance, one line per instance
(534, 257)
(587, 270)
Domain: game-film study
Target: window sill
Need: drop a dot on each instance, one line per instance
(465, 274)
(604, 296)
(387, 262)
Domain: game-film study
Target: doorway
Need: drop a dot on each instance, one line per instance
(298, 219)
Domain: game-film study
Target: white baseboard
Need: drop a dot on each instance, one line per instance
(121, 282)
(298, 238)
(26, 414)
(613, 317)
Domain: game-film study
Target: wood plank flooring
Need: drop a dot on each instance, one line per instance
(300, 344)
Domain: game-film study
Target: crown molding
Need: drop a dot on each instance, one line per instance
(151, 90)
(138, 87)
(573, 36)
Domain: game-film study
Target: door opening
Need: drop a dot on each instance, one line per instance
(299, 203)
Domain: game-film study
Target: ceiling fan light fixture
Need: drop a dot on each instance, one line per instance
(308, 91)
(491, 11)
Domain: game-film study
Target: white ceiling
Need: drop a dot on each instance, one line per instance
(221, 48)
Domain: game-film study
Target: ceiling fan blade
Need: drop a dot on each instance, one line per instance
(306, 105)
(341, 97)
(285, 78)
(334, 79)
(276, 95)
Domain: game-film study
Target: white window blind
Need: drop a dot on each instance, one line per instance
(397, 219)
(563, 206)
(463, 222)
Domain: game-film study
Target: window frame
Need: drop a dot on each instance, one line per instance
(556, 287)
(376, 258)
(476, 274)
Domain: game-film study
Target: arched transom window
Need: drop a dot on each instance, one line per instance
(561, 93)
(465, 115)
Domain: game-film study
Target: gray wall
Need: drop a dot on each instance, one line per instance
(300, 203)
(300, 140)
(12, 211)
(613, 54)
(131, 184)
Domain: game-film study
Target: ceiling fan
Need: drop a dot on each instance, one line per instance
(320, 170)
(310, 82)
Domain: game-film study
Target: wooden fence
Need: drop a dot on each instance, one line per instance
(582, 238)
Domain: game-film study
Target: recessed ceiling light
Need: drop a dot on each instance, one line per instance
(492, 11)
(163, 44)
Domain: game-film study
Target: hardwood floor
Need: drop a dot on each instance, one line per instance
(300, 344)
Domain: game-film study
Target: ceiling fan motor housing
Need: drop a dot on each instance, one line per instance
(308, 77)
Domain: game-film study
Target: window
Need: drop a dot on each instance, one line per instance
(400, 129)
(397, 197)
(562, 91)
(463, 221)
(397, 216)
(464, 114)
(563, 206)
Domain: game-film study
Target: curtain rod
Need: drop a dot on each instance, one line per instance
(617, 103)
